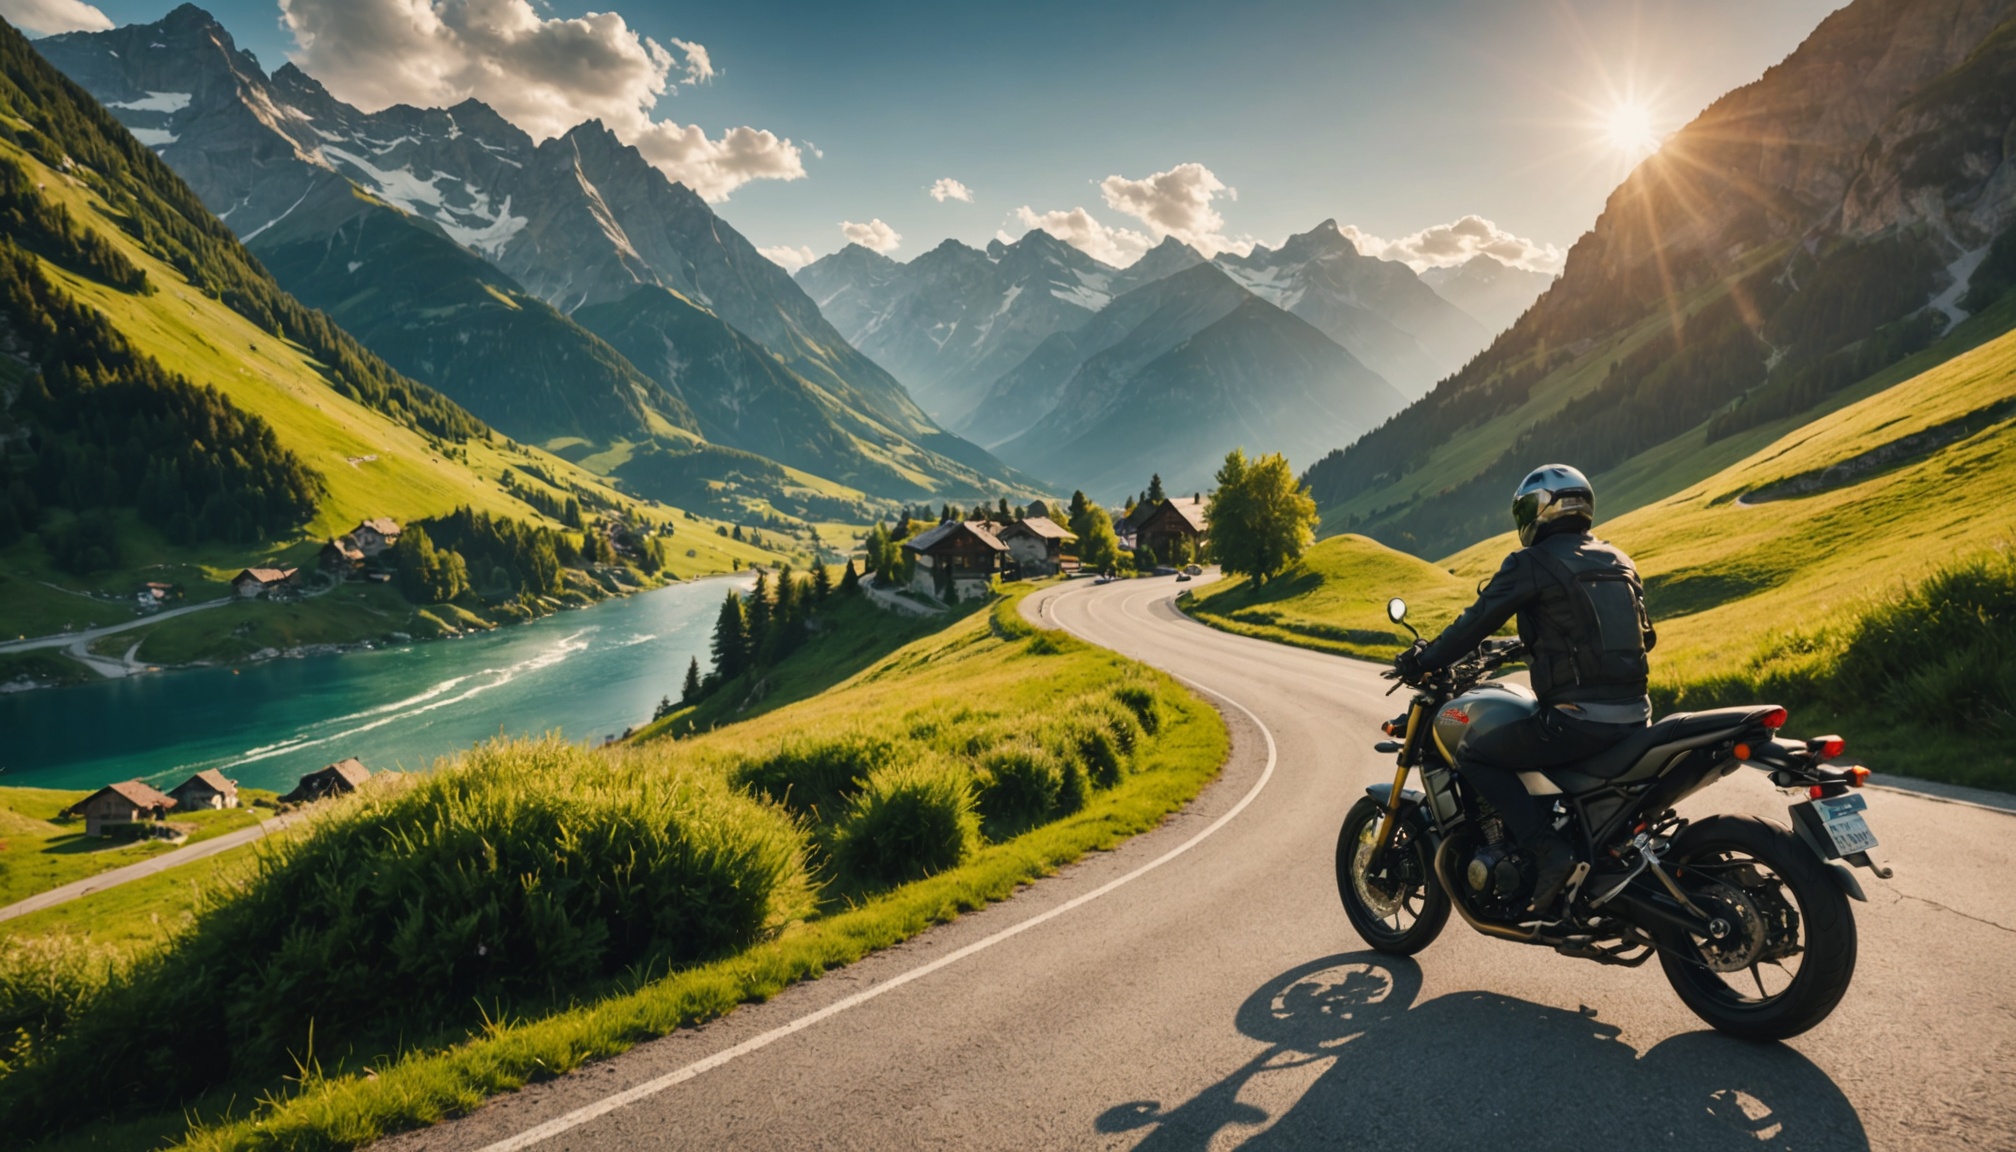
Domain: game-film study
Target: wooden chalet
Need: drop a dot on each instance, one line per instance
(957, 558)
(251, 583)
(334, 780)
(1171, 524)
(127, 802)
(343, 556)
(375, 535)
(1035, 545)
(206, 789)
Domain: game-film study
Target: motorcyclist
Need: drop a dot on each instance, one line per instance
(1581, 613)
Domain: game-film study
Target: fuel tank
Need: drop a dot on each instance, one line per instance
(1483, 708)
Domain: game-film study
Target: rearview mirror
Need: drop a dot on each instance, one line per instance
(1396, 609)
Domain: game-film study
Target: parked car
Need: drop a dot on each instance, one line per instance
(1194, 570)
(1182, 577)
(1105, 578)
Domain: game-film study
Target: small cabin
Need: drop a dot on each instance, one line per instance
(334, 780)
(1174, 529)
(251, 583)
(206, 789)
(1035, 545)
(957, 559)
(128, 802)
(375, 535)
(342, 556)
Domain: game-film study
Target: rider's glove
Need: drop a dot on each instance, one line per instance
(1408, 663)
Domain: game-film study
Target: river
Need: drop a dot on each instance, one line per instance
(586, 674)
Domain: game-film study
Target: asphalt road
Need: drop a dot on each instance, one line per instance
(1217, 997)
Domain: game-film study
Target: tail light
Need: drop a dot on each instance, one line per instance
(1774, 719)
(1826, 747)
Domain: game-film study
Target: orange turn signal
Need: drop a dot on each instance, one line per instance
(1858, 776)
(1816, 791)
(1741, 752)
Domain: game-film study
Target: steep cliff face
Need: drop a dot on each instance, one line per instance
(1805, 231)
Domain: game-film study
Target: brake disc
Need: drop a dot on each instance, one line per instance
(1371, 892)
(1746, 939)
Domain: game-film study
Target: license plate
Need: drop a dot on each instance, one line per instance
(1841, 816)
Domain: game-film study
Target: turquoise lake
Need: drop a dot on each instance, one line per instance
(586, 674)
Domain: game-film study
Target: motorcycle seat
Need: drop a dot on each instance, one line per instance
(1662, 739)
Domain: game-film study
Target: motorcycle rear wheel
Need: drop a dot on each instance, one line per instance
(1402, 909)
(1772, 861)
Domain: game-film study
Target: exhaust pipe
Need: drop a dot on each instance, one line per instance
(1522, 935)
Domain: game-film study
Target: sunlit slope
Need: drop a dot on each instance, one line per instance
(1335, 599)
(1724, 573)
(371, 464)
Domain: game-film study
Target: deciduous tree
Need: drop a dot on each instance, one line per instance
(1261, 517)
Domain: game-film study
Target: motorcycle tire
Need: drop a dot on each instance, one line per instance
(1387, 930)
(1826, 930)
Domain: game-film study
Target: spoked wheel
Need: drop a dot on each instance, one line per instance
(1789, 951)
(1399, 908)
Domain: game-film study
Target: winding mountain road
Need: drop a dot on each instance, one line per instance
(1199, 988)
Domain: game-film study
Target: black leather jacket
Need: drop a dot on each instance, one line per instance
(1549, 622)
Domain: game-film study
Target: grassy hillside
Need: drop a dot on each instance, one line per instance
(1334, 600)
(942, 776)
(1811, 571)
(45, 852)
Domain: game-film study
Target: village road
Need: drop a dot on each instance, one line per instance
(1217, 997)
(153, 864)
(66, 639)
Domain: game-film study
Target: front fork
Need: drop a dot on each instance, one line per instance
(1416, 720)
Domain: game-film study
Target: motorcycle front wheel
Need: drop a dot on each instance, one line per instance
(1399, 909)
(1789, 960)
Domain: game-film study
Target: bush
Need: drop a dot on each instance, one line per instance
(816, 776)
(1142, 701)
(1020, 787)
(46, 982)
(1099, 747)
(524, 872)
(908, 821)
(1946, 647)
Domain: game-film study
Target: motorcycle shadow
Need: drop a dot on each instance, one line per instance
(1478, 1069)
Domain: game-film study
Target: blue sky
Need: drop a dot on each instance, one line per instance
(1389, 116)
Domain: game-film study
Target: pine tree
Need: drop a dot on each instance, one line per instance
(1155, 493)
(731, 639)
(759, 614)
(1075, 521)
(822, 582)
(1002, 509)
(689, 693)
(850, 581)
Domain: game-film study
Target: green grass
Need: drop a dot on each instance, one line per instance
(138, 915)
(373, 466)
(1766, 599)
(1334, 600)
(38, 851)
(953, 698)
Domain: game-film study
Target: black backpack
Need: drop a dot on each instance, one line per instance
(1609, 602)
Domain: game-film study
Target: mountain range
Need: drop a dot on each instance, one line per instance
(1811, 237)
(463, 251)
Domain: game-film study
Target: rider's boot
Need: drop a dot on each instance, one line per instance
(1553, 862)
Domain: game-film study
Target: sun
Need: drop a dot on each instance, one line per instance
(1628, 129)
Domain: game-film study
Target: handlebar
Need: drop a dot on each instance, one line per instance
(1487, 657)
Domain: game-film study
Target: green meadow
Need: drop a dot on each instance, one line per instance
(1878, 600)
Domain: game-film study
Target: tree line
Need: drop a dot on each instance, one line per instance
(108, 427)
(57, 122)
(758, 631)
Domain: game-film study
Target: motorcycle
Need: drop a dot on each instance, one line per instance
(1750, 919)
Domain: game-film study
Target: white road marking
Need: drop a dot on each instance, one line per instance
(652, 1087)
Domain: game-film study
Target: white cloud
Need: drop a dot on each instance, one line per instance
(544, 75)
(1174, 203)
(949, 189)
(1077, 227)
(48, 17)
(1455, 242)
(699, 69)
(788, 258)
(874, 235)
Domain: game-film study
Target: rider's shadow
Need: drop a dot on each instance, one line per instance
(1477, 1069)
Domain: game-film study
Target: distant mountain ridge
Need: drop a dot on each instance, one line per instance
(578, 220)
(1494, 293)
